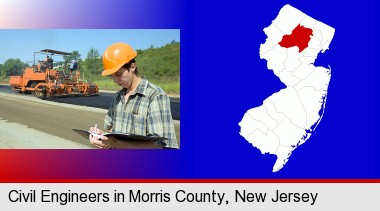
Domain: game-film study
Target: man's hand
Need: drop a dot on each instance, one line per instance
(97, 139)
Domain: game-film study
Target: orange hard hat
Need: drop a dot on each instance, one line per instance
(115, 56)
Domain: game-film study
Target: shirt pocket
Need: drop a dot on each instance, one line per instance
(136, 124)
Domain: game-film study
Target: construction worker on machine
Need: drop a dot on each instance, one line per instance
(74, 67)
(42, 66)
(39, 67)
(48, 62)
(140, 107)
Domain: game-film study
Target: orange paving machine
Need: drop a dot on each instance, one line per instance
(44, 81)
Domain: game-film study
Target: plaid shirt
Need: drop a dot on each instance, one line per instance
(146, 112)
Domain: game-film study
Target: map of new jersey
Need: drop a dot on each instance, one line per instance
(288, 118)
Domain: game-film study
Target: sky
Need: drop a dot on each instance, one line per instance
(17, 43)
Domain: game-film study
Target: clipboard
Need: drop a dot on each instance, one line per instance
(133, 141)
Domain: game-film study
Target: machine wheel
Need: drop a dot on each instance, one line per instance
(44, 92)
(34, 84)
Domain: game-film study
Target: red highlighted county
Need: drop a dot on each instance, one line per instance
(300, 37)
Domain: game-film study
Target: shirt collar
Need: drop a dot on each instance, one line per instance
(140, 89)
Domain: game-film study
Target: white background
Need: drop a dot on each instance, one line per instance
(345, 196)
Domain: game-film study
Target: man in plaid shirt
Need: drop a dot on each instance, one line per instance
(140, 108)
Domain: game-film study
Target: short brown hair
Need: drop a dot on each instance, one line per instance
(128, 65)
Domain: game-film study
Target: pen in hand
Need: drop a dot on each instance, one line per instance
(94, 133)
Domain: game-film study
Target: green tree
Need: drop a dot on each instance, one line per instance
(2, 73)
(93, 62)
(13, 67)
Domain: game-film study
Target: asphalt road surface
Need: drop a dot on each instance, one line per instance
(103, 100)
